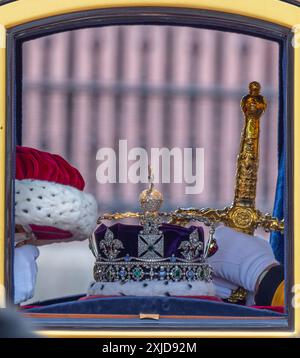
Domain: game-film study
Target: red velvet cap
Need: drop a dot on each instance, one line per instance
(50, 197)
(35, 164)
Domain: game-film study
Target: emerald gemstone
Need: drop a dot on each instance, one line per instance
(200, 273)
(150, 247)
(110, 274)
(137, 273)
(176, 273)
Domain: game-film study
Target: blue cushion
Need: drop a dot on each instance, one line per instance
(161, 305)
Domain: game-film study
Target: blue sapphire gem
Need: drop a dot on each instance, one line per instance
(162, 273)
(190, 274)
(122, 273)
(127, 258)
(173, 258)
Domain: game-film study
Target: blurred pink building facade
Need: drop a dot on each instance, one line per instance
(156, 86)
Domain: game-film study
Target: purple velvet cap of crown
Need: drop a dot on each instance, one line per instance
(128, 235)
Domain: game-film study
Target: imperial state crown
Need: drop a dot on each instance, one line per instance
(153, 258)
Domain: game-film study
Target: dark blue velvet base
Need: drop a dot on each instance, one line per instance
(161, 305)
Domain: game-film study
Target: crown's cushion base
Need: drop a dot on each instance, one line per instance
(152, 288)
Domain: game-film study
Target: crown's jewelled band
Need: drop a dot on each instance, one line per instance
(155, 270)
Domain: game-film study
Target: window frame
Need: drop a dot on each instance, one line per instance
(156, 15)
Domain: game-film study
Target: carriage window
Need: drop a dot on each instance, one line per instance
(133, 91)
